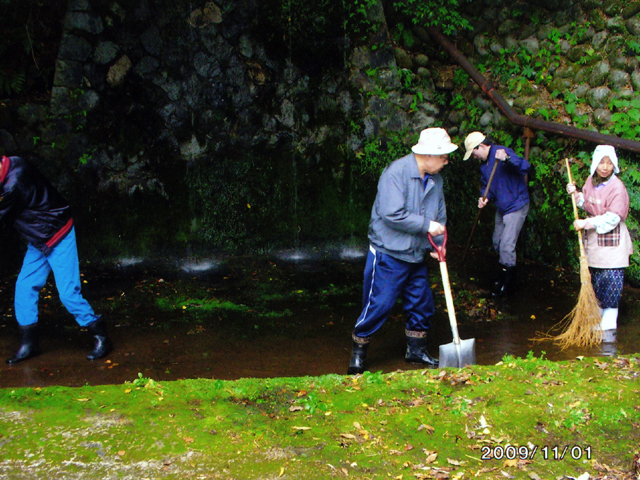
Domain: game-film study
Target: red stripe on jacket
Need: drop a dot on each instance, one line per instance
(6, 163)
(61, 233)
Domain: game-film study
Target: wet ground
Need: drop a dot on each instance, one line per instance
(281, 315)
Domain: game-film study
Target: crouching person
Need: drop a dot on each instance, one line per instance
(409, 205)
(43, 218)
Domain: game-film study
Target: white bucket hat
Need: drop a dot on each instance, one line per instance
(602, 151)
(434, 141)
(472, 141)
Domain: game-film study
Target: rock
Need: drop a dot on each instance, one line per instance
(147, 66)
(618, 79)
(577, 53)
(152, 41)
(74, 48)
(601, 116)
(68, 74)
(84, 22)
(496, 48)
(480, 44)
(105, 52)
(421, 60)
(599, 39)
(635, 80)
(118, 71)
(599, 97)
(599, 73)
(616, 25)
(633, 26)
(486, 119)
(403, 59)
(630, 9)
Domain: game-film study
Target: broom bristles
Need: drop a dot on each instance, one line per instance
(581, 326)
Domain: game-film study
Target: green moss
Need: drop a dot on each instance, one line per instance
(372, 426)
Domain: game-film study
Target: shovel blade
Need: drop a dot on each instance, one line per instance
(458, 355)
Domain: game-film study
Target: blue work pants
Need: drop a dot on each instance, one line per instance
(63, 261)
(387, 278)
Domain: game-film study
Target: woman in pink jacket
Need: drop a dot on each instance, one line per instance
(606, 237)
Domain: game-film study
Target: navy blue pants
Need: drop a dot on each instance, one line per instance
(386, 279)
(607, 285)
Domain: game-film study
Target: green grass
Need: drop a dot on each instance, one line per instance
(419, 424)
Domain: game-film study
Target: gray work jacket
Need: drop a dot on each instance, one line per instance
(403, 209)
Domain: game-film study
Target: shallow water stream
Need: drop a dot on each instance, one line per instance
(311, 338)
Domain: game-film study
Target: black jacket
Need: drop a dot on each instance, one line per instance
(29, 201)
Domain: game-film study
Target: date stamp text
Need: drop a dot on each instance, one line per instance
(530, 452)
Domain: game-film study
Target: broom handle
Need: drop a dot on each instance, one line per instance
(575, 209)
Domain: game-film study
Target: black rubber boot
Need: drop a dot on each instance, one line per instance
(103, 344)
(358, 356)
(28, 344)
(417, 352)
(506, 284)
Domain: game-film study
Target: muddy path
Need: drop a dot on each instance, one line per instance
(279, 316)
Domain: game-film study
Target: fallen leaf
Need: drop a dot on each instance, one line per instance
(510, 463)
(295, 408)
(428, 428)
(346, 435)
(121, 453)
(455, 462)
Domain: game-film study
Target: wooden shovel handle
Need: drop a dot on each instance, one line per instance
(493, 172)
(447, 287)
(484, 197)
(449, 298)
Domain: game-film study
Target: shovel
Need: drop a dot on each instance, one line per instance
(460, 352)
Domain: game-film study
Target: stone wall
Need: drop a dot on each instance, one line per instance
(236, 125)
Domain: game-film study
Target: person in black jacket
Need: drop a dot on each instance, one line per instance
(43, 218)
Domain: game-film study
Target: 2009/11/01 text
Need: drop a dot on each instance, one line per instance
(529, 452)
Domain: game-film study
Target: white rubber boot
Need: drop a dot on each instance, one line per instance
(609, 324)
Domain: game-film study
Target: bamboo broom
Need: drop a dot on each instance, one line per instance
(582, 325)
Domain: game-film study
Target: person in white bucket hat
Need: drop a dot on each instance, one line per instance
(409, 205)
(508, 190)
(607, 241)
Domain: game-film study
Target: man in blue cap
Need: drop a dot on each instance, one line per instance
(509, 191)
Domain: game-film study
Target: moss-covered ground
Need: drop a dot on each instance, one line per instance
(522, 418)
